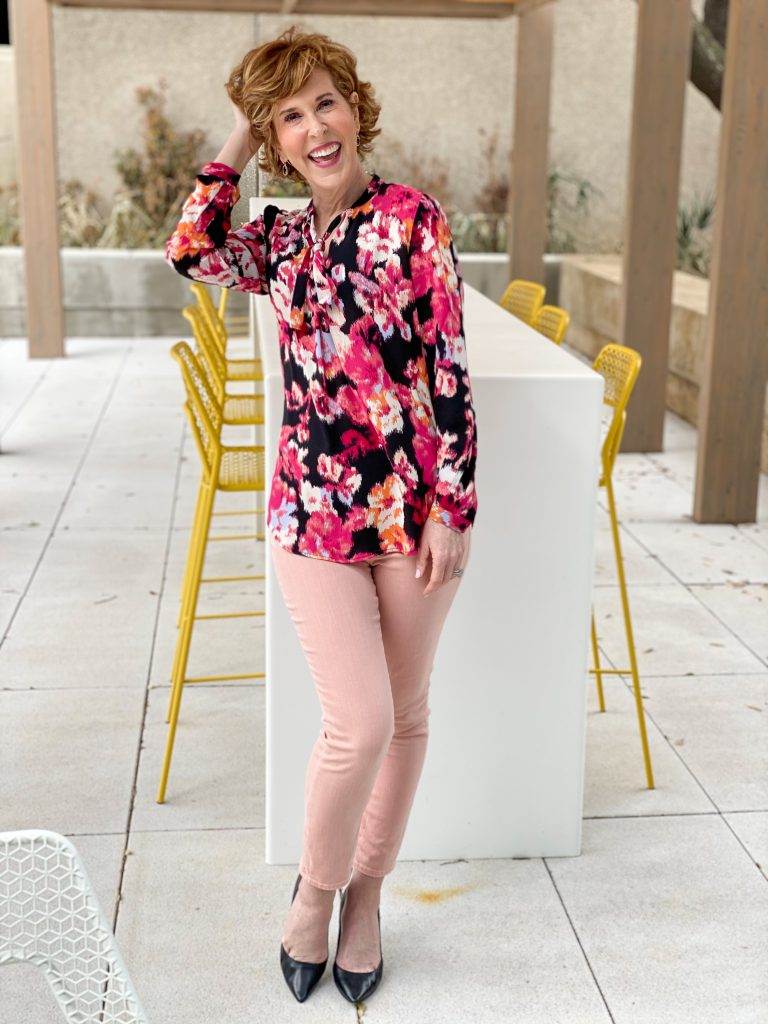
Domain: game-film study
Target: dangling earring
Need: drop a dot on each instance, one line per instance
(357, 140)
(285, 169)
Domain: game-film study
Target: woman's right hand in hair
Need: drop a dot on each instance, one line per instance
(243, 125)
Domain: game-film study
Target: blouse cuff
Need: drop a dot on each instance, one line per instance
(446, 518)
(216, 169)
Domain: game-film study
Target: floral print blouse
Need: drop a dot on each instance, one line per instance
(378, 431)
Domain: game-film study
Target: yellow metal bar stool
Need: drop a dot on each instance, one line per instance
(552, 322)
(237, 410)
(224, 468)
(619, 366)
(523, 298)
(237, 369)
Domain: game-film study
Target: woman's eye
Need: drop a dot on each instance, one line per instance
(290, 117)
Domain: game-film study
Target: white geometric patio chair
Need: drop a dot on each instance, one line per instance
(50, 917)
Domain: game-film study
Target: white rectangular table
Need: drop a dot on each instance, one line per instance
(504, 770)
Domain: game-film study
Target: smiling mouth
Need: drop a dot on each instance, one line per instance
(329, 152)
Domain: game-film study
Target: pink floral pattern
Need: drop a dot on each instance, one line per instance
(378, 430)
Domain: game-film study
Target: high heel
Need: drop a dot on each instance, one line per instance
(300, 975)
(356, 985)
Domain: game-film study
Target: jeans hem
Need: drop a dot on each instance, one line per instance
(321, 885)
(367, 871)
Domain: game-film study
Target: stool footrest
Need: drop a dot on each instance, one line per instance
(225, 679)
(230, 579)
(230, 615)
(238, 536)
(244, 512)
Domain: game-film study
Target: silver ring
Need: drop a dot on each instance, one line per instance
(457, 572)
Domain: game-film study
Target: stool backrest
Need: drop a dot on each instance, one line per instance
(211, 315)
(523, 298)
(202, 408)
(619, 366)
(552, 321)
(212, 362)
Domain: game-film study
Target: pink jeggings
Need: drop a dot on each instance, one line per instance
(369, 636)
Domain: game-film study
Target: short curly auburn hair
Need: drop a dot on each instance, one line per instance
(279, 68)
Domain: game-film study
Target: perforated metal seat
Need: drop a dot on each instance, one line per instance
(50, 917)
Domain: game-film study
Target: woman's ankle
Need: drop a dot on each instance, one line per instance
(365, 884)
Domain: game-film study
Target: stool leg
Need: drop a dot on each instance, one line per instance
(629, 634)
(185, 632)
(190, 545)
(196, 549)
(598, 666)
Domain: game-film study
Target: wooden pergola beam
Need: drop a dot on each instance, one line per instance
(529, 158)
(394, 8)
(732, 395)
(662, 59)
(33, 41)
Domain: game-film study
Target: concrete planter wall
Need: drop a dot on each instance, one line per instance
(134, 293)
(590, 291)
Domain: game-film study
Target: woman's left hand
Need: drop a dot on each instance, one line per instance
(449, 550)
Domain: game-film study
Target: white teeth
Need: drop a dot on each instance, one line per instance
(328, 151)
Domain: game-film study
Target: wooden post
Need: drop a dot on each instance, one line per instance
(732, 396)
(662, 60)
(529, 162)
(32, 38)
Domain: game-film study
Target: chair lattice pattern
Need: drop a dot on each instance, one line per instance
(523, 299)
(50, 917)
(619, 365)
(552, 321)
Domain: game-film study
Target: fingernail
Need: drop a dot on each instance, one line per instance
(418, 573)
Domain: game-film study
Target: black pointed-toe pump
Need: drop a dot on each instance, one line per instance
(301, 976)
(356, 985)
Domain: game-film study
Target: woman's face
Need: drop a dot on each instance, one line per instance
(315, 118)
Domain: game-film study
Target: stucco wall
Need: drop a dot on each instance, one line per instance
(442, 83)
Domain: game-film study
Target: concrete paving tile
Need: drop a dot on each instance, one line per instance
(615, 780)
(643, 492)
(40, 464)
(678, 463)
(743, 608)
(752, 829)
(442, 925)
(640, 566)
(142, 501)
(480, 941)
(101, 635)
(25, 993)
(674, 634)
(33, 505)
(67, 758)
(681, 466)
(217, 773)
(671, 914)
(19, 553)
(679, 435)
(757, 532)
(717, 724)
(704, 553)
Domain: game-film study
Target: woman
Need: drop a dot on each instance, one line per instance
(372, 496)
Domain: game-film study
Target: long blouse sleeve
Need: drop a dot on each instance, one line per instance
(439, 322)
(203, 245)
